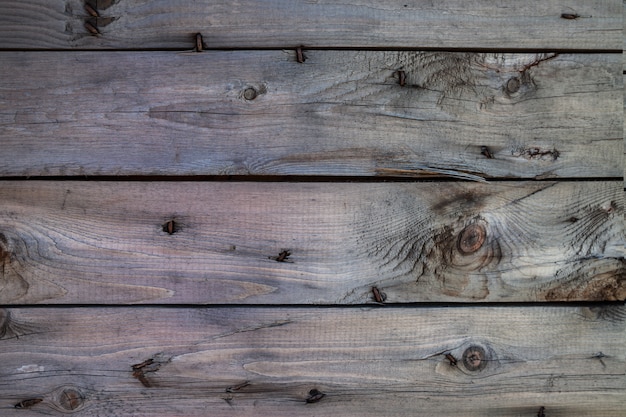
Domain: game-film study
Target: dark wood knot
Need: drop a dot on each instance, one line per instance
(513, 85)
(70, 399)
(314, 396)
(474, 358)
(471, 238)
(250, 93)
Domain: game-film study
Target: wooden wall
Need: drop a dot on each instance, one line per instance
(314, 208)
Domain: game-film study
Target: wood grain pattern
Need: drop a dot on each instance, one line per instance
(367, 361)
(110, 242)
(159, 24)
(339, 113)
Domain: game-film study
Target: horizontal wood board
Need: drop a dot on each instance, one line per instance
(159, 24)
(340, 113)
(310, 243)
(367, 361)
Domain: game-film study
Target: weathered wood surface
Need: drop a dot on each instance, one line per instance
(338, 113)
(109, 242)
(137, 24)
(367, 361)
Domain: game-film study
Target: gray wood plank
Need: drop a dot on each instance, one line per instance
(367, 361)
(137, 24)
(338, 113)
(310, 243)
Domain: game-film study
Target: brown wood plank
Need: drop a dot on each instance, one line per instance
(338, 113)
(137, 24)
(310, 243)
(367, 361)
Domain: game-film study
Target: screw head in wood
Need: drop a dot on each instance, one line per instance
(474, 358)
(471, 238)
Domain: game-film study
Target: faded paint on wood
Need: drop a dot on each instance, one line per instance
(310, 243)
(263, 361)
(137, 24)
(338, 113)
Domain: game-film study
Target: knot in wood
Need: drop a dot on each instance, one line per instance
(70, 399)
(471, 239)
(474, 358)
(249, 93)
(4, 252)
(513, 85)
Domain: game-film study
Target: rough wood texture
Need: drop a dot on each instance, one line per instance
(338, 113)
(110, 242)
(137, 24)
(367, 361)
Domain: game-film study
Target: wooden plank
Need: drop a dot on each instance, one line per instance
(367, 361)
(310, 243)
(137, 24)
(339, 113)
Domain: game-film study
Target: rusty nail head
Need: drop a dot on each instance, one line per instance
(401, 78)
(299, 55)
(91, 28)
(452, 359)
(379, 296)
(199, 45)
(91, 10)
